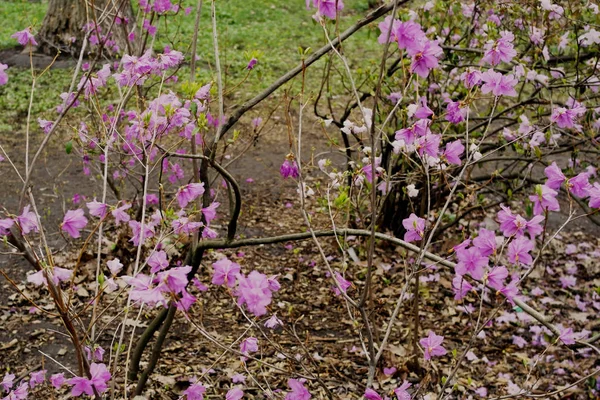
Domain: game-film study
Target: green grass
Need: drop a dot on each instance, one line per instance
(270, 30)
(14, 97)
(16, 15)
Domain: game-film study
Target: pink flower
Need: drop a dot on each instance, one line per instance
(184, 225)
(19, 393)
(500, 50)
(298, 391)
(25, 37)
(409, 36)
(28, 221)
(186, 301)
(143, 291)
(73, 222)
(401, 392)
(7, 382)
(472, 262)
(326, 8)
(254, 292)
(225, 271)
(176, 278)
(496, 277)
(567, 281)
(95, 82)
(289, 168)
(97, 209)
(249, 345)
(594, 193)
(3, 75)
(120, 214)
(518, 251)
(114, 266)
(460, 287)
(204, 92)
(453, 152)
(384, 27)
(519, 341)
(567, 336)
(256, 122)
(415, 228)
(471, 77)
(136, 232)
(45, 125)
(485, 242)
(498, 84)
(210, 212)
(5, 225)
(426, 59)
(189, 193)
(565, 117)
(429, 144)
(195, 391)
(251, 64)
(162, 6)
(234, 394)
(554, 175)
(579, 185)
(344, 283)
(273, 322)
(57, 380)
(544, 200)
(423, 111)
(511, 224)
(99, 378)
(37, 378)
(432, 345)
(370, 394)
(158, 261)
(456, 111)
(418, 129)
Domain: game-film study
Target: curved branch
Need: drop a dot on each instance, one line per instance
(376, 14)
(232, 227)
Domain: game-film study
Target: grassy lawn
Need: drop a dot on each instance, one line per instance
(17, 15)
(270, 30)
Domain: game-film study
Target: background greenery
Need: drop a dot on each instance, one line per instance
(273, 31)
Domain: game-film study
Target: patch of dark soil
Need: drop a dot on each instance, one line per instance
(20, 57)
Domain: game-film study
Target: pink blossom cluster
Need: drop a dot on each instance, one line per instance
(326, 8)
(97, 383)
(255, 290)
(410, 37)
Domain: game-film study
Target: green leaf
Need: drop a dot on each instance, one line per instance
(69, 147)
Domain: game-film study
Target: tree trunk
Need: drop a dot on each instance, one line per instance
(63, 26)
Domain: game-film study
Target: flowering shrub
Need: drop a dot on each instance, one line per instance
(459, 132)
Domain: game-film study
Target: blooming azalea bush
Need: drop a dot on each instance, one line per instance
(480, 123)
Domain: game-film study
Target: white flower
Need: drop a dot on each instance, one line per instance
(368, 116)
(412, 191)
(308, 192)
(591, 37)
(411, 110)
(398, 146)
(323, 162)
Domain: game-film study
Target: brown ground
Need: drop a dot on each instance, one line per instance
(325, 338)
